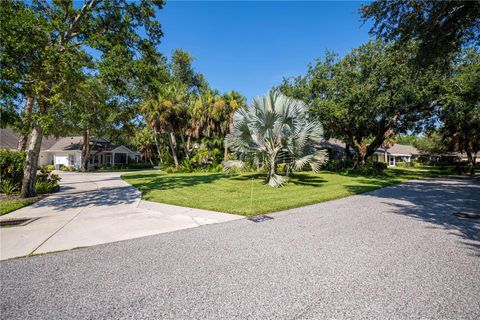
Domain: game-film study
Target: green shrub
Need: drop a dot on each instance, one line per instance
(407, 164)
(171, 170)
(8, 187)
(46, 175)
(46, 187)
(338, 165)
(47, 182)
(132, 165)
(368, 169)
(67, 168)
(185, 166)
(461, 167)
(49, 167)
(216, 168)
(11, 166)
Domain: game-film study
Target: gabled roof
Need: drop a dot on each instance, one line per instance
(9, 140)
(397, 149)
(68, 144)
(401, 150)
(334, 144)
(75, 143)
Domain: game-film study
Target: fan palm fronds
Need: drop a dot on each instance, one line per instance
(276, 127)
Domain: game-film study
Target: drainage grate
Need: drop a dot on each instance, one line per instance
(260, 218)
(467, 215)
(16, 222)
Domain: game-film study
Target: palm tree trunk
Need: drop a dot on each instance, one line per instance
(31, 162)
(27, 114)
(155, 137)
(185, 147)
(230, 129)
(173, 147)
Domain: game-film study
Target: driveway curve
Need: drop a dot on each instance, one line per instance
(95, 208)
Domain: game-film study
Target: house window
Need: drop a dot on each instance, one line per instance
(71, 160)
(120, 158)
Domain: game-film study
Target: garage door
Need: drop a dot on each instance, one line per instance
(61, 160)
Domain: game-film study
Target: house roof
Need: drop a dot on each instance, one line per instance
(397, 149)
(9, 140)
(401, 149)
(75, 143)
(334, 144)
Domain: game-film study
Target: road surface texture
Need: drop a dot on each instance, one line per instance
(395, 253)
(95, 208)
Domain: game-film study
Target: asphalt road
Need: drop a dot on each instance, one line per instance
(395, 253)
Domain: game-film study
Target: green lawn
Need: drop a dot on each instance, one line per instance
(247, 195)
(7, 206)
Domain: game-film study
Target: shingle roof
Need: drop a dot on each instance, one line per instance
(397, 149)
(334, 144)
(76, 143)
(67, 143)
(9, 140)
(402, 149)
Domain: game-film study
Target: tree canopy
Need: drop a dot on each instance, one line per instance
(367, 96)
(440, 27)
(460, 108)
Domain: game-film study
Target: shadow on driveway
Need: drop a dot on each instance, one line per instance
(436, 201)
(101, 197)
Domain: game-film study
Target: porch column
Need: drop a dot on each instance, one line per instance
(113, 159)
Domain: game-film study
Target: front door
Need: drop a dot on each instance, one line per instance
(391, 161)
(108, 159)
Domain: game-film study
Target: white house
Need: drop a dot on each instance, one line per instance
(397, 153)
(67, 151)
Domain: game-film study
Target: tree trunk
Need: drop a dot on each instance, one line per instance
(472, 162)
(360, 155)
(230, 129)
(149, 157)
(185, 147)
(85, 149)
(155, 136)
(173, 147)
(31, 162)
(27, 114)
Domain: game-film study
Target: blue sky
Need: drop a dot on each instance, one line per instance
(250, 46)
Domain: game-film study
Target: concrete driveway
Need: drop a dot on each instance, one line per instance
(95, 208)
(395, 253)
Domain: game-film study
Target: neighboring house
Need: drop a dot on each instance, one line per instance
(67, 151)
(336, 149)
(9, 140)
(397, 153)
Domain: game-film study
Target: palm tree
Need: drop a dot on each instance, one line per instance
(234, 101)
(166, 113)
(276, 127)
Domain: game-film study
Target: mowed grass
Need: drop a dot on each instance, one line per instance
(7, 206)
(246, 194)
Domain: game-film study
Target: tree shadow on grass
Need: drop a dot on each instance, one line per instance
(301, 179)
(157, 181)
(435, 201)
(305, 179)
